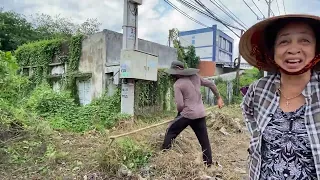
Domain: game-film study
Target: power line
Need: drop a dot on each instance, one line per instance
(258, 8)
(232, 13)
(270, 6)
(194, 7)
(284, 7)
(278, 6)
(198, 9)
(183, 13)
(223, 10)
(251, 9)
(204, 7)
(210, 15)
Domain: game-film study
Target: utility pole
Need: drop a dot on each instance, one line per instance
(269, 15)
(130, 42)
(169, 37)
(238, 70)
(269, 8)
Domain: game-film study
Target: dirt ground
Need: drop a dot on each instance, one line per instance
(78, 154)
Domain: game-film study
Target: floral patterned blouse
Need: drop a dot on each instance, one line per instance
(286, 150)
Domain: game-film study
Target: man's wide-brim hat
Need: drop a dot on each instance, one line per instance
(256, 42)
(177, 68)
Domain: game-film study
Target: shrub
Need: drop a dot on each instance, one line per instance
(12, 86)
(127, 152)
(62, 113)
(45, 102)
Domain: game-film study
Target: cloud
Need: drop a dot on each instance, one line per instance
(155, 16)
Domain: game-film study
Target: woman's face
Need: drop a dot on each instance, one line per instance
(295, 46)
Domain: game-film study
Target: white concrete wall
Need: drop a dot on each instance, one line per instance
(200, 39)
(101, 57)
(92, 61)
(204, 52)
(114, 45)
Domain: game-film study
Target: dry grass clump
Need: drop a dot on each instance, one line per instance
(231, 121)
(184, 159)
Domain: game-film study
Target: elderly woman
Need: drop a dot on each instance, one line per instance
(282, 110)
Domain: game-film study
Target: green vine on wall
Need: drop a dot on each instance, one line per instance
(40, 54)
(73, 64)
(151, 96)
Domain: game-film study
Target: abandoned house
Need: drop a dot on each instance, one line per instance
(100, 62)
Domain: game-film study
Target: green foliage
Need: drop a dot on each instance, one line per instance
(63, 114)
(73, 64)
(191, 59)
(38, 55)
(222, 87)
(187, 55)
(133, 155)
(46, 102)
(56, 26)
(23, 137)
(152, 96)
(14, 31)
(11, 85)
(180, 50)
(127, 152)
(75, 53)
(249, 76)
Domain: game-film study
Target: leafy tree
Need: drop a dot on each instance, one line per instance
(187, 55)
(53, 26)
(191, 58)
(12, 86)
(180, 51)
(14, 30)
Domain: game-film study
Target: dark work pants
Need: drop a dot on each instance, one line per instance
(200, 129)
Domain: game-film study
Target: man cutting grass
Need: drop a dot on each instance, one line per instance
(191, 110)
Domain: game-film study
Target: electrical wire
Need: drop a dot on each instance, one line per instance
(278, 7)
(208, 10)
(232, 13)
(194, 7)
(270, 7)
(210, 15)
(251, 9)
(284, 7)
(258, 8)
(226, 12)
(183, 13)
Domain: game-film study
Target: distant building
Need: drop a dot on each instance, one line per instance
(214, 47)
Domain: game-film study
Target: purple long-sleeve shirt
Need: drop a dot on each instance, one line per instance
(188, 97)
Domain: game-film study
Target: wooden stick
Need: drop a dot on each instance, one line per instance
(148, 127)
